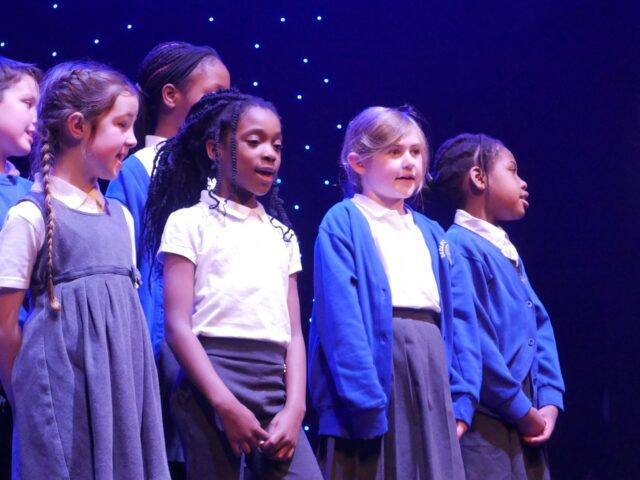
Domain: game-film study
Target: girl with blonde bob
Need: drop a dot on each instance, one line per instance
(382, 339)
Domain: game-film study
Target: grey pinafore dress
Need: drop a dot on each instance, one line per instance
(85, 385)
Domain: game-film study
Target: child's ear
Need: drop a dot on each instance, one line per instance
(211, 151)
(477, 179)
(170, 94)
(356, 162)
(77, 125)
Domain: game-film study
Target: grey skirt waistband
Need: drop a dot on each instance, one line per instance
(422, 315)
(245, 349)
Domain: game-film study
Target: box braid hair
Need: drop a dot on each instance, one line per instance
(168, 62)
(455, 158)
(86, 87)
(183, 169)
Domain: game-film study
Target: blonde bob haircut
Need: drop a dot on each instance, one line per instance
(374, 130)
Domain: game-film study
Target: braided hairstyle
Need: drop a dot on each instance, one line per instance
(169, 62)
(374, 130)
(11, 72)
(455, 158)
(89, 88)
(183, 168)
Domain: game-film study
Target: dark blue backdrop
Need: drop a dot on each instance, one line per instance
(557, 81)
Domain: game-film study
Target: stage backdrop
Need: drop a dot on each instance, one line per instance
(557, 81)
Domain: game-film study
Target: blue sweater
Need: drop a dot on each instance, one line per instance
(131, 188)
(515, 331)
(350, 340)
(12, 189)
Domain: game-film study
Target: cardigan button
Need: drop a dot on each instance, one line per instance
(530, 342)
(529, 303)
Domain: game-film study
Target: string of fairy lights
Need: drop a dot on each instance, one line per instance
(57, 52)
(98, 47)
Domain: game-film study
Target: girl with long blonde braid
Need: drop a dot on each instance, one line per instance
(81, 374)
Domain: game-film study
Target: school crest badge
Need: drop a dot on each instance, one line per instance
(445, 251)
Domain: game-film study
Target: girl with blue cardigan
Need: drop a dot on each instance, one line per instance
(173, 76)
(522, 387)
(388, 321)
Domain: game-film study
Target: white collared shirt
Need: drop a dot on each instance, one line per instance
(242, 268)
(404, 255)
(23, 234)
(147, 154)
(10, 168)
(494, 234)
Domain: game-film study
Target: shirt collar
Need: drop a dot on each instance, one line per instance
(147, 155)
(373, 208)
(71, 195)
(153, 140)
(10, 169)
(494, 234)
(233, 209)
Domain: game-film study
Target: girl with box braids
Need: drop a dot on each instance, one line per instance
(183, 167)
(453, 160)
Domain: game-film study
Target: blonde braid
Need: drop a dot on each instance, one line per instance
(88, 88)
(47, 160)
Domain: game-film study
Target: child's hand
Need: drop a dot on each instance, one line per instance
(532, 424)
(284, 431)
(550, 414)
(461, 428)
(241, 427)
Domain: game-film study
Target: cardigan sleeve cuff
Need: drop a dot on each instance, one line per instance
(464, 407)
(369, 423)
(550, 396)
(517, 408)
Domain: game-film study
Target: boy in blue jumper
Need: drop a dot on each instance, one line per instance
(19, 94)
(18, 98)
(522, 386)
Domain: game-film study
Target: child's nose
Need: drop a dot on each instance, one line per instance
(269, 153)
(131, 141)
(407, 160)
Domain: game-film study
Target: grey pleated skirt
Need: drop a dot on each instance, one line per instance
(492, 448)
(421, 441)
(87, 404)
(254, 372)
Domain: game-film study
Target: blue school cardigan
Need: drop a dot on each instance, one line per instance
(515, 330)
(12, 189)
(350, 339)
(131, 188)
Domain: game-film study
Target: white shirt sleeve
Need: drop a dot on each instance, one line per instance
(295, 261)
(132, 233)
(179, 236)
(21, 239)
